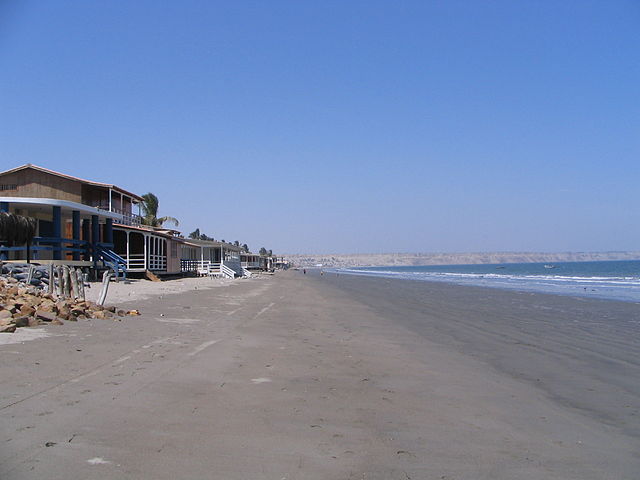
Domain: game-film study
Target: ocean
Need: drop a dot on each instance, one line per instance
(612, 280)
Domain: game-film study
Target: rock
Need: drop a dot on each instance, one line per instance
(64, 312)
(102, 314)
(34, 322)
(46, 316)
(47, 306)
(9, 328)
(27, 310)
(57, 321)
(5, 314)
(121, 313)
(22, 321)
(133, 313)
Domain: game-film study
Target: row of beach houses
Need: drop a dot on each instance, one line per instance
(99, 226)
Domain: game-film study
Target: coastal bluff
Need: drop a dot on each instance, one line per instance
(415, 259)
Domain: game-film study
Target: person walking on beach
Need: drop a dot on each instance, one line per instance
(304, 270)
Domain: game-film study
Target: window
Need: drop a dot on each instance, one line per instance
(174, 249)
(8, 186)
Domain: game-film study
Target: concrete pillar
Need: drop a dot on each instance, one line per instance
(146, 255)
(108, 231)
(75, 227)
(95, 236)
(57, 232)
(4, 207)
(86, 232)
(95, 229)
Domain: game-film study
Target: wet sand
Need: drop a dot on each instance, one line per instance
(307, 377)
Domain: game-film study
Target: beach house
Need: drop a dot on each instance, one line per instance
(206, 257)
(143, 248)
(75, 217)
(99, 226)
(250, 261)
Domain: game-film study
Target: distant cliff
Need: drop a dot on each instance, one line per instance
(408, 259)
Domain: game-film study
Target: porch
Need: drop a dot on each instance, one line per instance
(66, 233)
(143, 249)
(211, 258)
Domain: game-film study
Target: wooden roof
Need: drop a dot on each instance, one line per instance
(209, 243)
(75, 179)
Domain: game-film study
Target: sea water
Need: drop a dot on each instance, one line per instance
(613, 280)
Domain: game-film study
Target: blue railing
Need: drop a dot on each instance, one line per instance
(67, 246)
(52, 244)
(111, 259)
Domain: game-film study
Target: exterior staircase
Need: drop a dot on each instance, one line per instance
(111, 261)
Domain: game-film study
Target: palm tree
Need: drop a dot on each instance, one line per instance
(150, 208)
(17, 230)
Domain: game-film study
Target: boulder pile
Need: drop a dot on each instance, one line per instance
(23, 305)
(20, 271)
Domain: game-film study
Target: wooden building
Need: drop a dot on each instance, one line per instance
(75, 217)
(250, 261)
(205, 257)
(86, 223)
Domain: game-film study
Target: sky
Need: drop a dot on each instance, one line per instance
(340, 126)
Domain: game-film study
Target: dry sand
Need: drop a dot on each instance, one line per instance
(134, 290)
(307, 377)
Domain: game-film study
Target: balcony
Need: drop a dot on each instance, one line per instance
(128, 218)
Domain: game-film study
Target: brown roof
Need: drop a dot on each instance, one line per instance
(76, 179)
(148, 229)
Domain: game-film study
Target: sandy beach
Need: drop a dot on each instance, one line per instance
(298, 376)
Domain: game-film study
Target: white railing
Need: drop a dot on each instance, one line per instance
(226, 271)
(245, 272)
(128, 217)
(188, 265)
(206, 267)
(135, 261)
(157, 262)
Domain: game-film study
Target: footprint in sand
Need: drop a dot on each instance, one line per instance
(260, 380)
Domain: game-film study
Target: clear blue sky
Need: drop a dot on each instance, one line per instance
(341, 126)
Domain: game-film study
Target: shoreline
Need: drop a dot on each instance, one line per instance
(494, 281)
(308, 377)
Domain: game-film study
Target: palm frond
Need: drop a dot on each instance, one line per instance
(162, 220)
